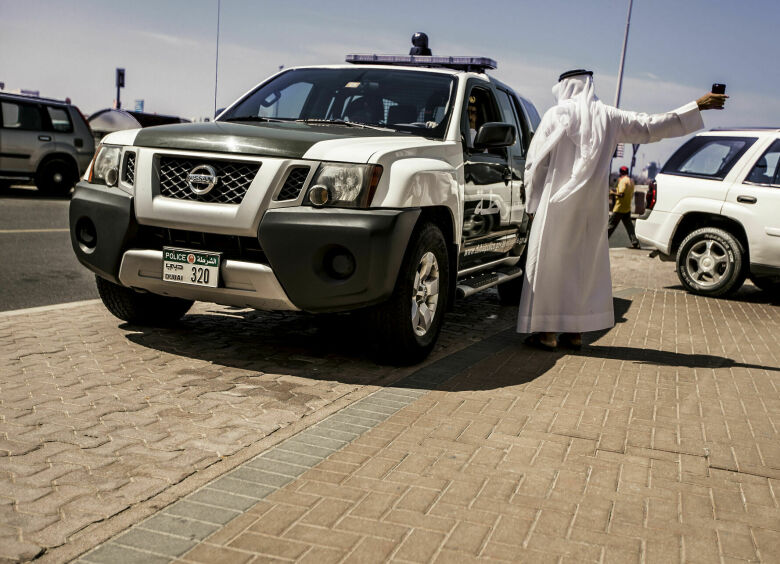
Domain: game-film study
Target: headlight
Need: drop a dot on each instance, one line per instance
(344, 185)
(105, 169)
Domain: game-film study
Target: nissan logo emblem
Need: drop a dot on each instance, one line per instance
(202, 179)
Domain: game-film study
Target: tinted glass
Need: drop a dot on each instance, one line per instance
(767, 168)
(412, 101)
(533, 115)
(708, 157)
(507, 108)
(21, 116)
(60, 120)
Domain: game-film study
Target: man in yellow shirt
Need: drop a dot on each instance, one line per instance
(621, 212)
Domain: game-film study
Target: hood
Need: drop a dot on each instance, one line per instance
(288, 140)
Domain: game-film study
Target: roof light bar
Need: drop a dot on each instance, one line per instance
(458, 63)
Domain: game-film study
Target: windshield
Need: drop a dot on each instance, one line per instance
(417, 102)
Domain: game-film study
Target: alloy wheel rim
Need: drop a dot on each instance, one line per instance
(425, 294)
(708, 263)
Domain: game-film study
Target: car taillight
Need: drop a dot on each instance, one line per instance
(652, 195)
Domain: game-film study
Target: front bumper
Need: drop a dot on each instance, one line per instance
(292, 271)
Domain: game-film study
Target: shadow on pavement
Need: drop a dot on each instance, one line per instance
(747, 293)
(338, 348)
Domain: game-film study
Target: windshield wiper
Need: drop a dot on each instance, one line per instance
(343, 122)
(255, 118)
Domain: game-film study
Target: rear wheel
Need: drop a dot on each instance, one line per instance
(56, 177)
(711, 262)
(140, 308)
(408, 324)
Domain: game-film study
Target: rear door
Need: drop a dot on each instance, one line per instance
(22, 136)
(754, 200)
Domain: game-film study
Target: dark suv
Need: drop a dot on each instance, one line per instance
(44, 140)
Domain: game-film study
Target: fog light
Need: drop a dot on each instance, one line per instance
(86, 234)
(112, 176)
(339, 263)
(319, 195)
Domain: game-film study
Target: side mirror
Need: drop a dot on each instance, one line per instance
(493, 135)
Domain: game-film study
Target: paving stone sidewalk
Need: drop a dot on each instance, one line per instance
(658, 441)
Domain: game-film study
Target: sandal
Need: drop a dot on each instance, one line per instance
(535, 340)
(566, 340)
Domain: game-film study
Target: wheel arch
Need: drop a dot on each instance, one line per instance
(441, 216)
(696, 220)
(58, 156)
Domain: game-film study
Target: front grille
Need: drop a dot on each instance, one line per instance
(234, 179)
(128, 172)
(231, 246)
(294, 183)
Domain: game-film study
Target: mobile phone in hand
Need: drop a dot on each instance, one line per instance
(718, 88)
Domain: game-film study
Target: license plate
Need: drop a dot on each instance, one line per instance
(185, 266)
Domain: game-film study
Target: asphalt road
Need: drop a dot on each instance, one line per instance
(38, 264)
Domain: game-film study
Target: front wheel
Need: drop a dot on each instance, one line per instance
(711, 262)
(140, 308)
(408, 324)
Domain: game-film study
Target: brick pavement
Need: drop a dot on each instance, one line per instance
(657, 442)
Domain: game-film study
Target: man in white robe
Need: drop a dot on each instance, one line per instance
(567, 286)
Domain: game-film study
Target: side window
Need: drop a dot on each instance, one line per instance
(708, 157)
(480, 109)
(21, 116)
(60, 120)
(285, 103)
(767, 168)
(510, 116)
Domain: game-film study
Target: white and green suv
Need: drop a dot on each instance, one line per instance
(363, 186)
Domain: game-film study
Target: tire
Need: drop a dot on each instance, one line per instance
(711, 262)
(56, 177)
(768, 284)
(509, 292)
(140, 308)
(404, 335)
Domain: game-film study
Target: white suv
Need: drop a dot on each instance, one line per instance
(717, 211)
(388, 185)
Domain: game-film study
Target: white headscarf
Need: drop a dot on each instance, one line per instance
(578, 115)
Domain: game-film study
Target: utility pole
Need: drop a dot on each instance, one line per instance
(622, 63)
(216, 59)
(623, 56)
(120, 83)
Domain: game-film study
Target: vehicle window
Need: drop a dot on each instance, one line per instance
(708, 157)
(60, 120)
(21, 116)
(533, 115)
(510, 116)
(767, 168)
(416, 102)
(480, 108)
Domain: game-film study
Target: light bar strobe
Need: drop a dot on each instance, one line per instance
(458, 63)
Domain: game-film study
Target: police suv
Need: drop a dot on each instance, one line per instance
(389, 185)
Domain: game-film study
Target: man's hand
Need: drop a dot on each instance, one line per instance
(711, 101)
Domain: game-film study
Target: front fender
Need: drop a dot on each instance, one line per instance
(423, 182)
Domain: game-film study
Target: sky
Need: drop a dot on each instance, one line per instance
(676, 49)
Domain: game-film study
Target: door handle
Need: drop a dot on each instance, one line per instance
(746, 199)
(507, 176)
(44, 138)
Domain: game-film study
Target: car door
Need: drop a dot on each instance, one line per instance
(517, 152)
(755, 202)
(487, 181)
(22, 137)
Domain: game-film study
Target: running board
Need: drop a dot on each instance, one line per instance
(481, 282)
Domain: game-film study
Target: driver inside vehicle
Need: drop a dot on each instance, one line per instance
(365, 109)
